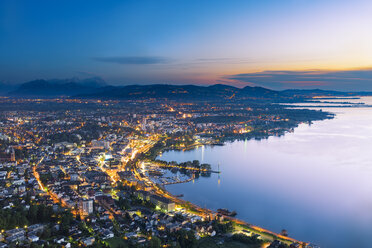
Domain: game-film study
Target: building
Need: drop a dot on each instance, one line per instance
(14, 235)
(163, 203)
(35, 229)
(74, 177)
(107, 234)
(86, 207)
(33, 238)
(96, 177)
(143, 195)
(88, 241)
(12, 155)
(159, 201)
(8, 155)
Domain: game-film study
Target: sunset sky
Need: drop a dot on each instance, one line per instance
(272, 43)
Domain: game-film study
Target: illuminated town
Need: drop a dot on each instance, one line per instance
(78, 172)
(185, 124)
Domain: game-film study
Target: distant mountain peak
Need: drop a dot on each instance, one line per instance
(93, 81)
(59, 87)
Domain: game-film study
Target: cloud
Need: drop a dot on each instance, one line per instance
(135, 60)
(224, 60)
(350, 80)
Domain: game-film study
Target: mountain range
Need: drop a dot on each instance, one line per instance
(57, 87)
(98, 88)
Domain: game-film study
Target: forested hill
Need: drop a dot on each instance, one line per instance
(96, 88)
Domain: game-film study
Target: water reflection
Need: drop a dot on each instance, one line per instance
(202, 156)
(314, 182)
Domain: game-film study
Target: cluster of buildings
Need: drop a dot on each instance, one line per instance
(83, 157)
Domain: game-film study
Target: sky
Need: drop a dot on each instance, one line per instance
(277, 44)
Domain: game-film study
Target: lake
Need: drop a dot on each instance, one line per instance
(315, 182)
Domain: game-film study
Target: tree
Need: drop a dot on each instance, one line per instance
(41, 213)
(155, 242)
(178, 217)
(222, 227)
(66, 221)
(46, 233)
(34, 245)
(32, 213)
(196, 164)
(186, 239)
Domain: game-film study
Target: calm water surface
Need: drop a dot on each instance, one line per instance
(315, 182)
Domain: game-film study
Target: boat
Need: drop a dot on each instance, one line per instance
(180, 195)
(226, 212)
(155, 173)
(218, 144)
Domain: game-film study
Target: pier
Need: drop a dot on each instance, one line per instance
(183, 181)
(188, 168)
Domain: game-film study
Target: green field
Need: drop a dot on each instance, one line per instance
(203, 243)
(213, 243)
(116, 243)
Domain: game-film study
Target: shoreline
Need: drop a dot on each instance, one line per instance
(194, 208)
(245, 225)
(154, 152)
(238, 222)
